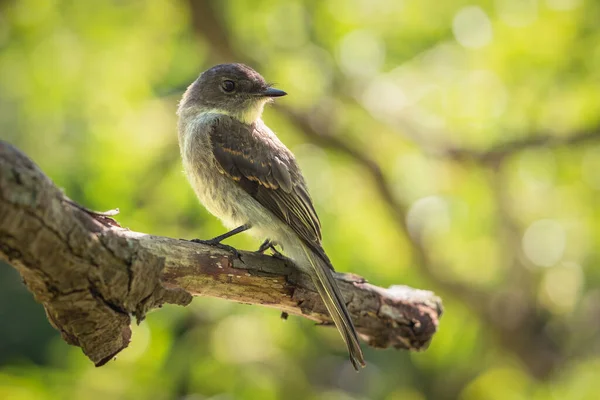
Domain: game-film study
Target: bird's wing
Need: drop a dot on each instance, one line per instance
(262, 166)
(267, 170)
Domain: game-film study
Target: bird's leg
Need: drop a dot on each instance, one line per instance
(220, 238)
(216, 241)
(268, 244)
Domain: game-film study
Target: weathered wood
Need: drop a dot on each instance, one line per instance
(91, 275)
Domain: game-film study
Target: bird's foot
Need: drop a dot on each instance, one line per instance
(264, 246)
(218, 244)
(268, 244)
(279, 255)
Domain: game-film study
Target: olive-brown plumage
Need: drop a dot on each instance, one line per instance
(267, 171)
(245, 175)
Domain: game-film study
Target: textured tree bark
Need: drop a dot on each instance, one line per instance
(91, 275)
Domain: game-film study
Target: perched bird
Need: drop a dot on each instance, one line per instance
(244, 175)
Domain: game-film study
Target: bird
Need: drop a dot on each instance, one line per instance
(244, 175)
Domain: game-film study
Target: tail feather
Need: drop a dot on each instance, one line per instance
(332, 297)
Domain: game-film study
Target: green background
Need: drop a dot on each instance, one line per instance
(482, 116)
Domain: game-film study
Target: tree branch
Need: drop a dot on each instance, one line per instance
(91, 275)
(499, 152)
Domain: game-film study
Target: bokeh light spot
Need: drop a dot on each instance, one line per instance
(242, 339)
(472, 27)
(544, 242)
(517, 12)
(561, 286)
(361, 53)
(428, 216)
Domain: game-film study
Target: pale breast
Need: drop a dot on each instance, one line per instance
(214, 190)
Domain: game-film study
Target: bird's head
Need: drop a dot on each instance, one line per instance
(232, 89)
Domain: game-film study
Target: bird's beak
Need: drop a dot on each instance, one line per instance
(272, 92)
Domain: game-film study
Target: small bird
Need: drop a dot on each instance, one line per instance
(244, 175)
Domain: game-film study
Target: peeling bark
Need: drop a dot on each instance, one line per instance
(91, 275)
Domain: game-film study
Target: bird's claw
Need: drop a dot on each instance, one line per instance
(268, 244)
(264, 246)
(279, 256)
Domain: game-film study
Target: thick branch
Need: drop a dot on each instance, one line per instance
(90, 274)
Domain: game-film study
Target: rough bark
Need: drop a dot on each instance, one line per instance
(91, 275)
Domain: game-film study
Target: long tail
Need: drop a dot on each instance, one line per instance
(330, 293)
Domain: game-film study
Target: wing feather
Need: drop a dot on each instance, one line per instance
(268, 171)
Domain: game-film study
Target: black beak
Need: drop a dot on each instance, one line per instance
(272, 92)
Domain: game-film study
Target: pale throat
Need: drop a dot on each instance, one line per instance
(248, 115)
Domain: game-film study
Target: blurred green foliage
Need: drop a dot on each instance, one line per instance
(89, 91)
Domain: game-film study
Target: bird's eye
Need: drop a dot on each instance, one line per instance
(228, 86)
